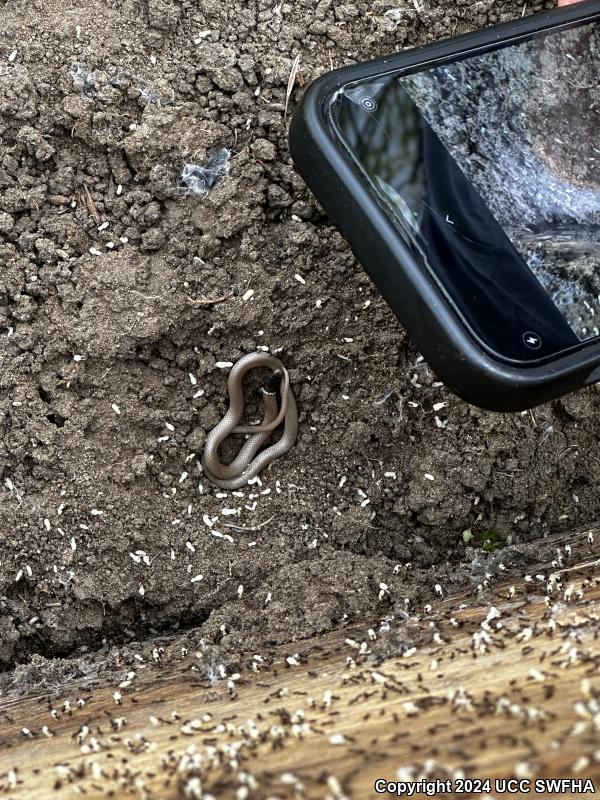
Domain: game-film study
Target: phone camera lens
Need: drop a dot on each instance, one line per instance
(368, 103)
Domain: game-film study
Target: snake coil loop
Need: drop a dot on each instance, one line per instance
(249, 462)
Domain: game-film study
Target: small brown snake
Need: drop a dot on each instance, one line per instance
(247, 464)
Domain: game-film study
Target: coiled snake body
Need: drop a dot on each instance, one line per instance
(247, 464)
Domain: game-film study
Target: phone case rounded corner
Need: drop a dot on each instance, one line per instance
(498, 387)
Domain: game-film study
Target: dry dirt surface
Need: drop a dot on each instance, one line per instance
(123, 293)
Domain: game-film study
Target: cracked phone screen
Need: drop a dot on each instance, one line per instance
(490, 168)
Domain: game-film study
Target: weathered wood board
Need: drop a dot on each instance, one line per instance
(507, 686)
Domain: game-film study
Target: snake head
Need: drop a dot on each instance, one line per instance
(272, 382)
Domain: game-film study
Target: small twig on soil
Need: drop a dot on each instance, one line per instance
(344, 358)
(250, 529)
(91, 206)
(290, 86)
(208, 301)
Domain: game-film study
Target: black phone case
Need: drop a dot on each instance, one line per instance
(461, 362)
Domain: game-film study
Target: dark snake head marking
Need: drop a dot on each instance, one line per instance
(272, 382)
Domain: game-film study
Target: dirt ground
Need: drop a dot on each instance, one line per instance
(120, 294)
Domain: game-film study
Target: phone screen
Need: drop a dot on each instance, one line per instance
(490, 168)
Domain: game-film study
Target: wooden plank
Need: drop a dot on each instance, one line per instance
(505, 687)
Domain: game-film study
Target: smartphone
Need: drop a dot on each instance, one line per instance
(466, 177)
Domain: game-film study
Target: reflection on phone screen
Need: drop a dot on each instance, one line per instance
(490, 167)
